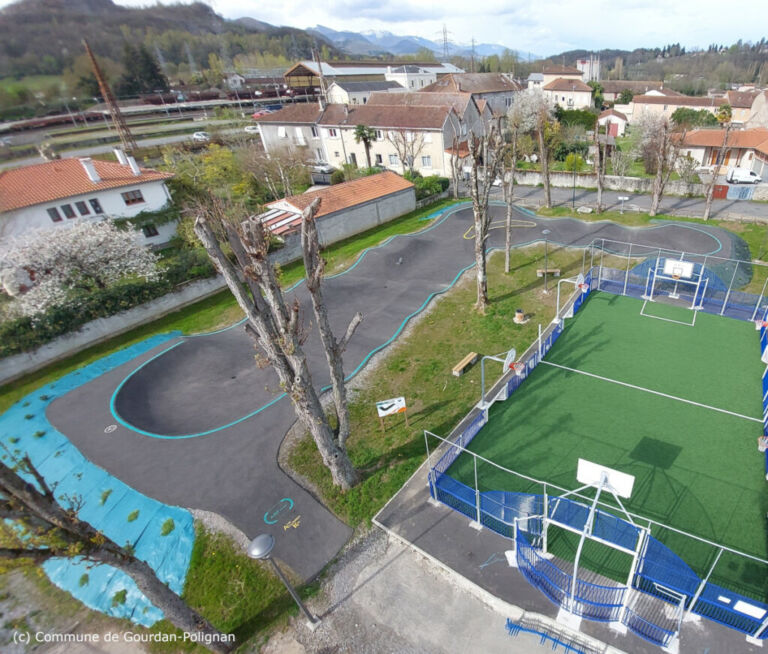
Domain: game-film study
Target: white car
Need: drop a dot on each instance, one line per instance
(201, 137)
(252, 129)
(742, 176)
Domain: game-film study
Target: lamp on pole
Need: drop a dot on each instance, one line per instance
(260, 548)
(546, 233)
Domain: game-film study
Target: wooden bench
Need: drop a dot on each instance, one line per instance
(466, 362)
(554, 272)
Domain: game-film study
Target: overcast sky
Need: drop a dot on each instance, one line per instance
(541, 26)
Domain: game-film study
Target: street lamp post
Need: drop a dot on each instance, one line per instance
(260, 548)
(546, 233)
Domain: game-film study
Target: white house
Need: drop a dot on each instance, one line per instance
(551, 73)
(50, 195)
(496, 89)
(413, 78)
(616, 121)
(747, 148)
(342, 92)
(569, 93)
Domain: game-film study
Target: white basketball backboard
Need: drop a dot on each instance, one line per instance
(592, 473)
(510, 359)
(677, 268)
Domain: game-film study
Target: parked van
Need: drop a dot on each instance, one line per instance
(742, 176)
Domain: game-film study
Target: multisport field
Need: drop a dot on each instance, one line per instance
(677, 406)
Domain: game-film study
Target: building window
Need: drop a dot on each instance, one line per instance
(53, 212)
(336, 155)
(132, 197)
(393, 160)
(421, 82)
(318, 154)
(333, 133)
(67, 210)
(426, 161)
(282, 133)
(149, 230)
(96, 206)
(82, 207)
(508, 102)
(379, 135)
(315, 135)
(379, 160)
(411, 83)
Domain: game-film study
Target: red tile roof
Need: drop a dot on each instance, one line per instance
(332, 199)
(386, 116)
(612, 112)
(65, 178)
(561, 84)
(756, 138)
(741, 99)
(561, 70)
(472, 83)
(304, 113)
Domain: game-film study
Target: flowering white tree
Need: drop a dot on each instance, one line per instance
(45, 268)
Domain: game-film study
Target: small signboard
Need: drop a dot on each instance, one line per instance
(389, 407)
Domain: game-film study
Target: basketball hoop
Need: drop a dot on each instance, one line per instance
(583, 287)
(518, 367)
(760, 324)
(676, 277)
(762, 443)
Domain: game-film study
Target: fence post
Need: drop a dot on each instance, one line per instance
(539, 341)
(703, 583)
(431, 480)
(544, 522)
(730, 286)
(759, 300)
(600, 269)
(478, 524)
(626, 275)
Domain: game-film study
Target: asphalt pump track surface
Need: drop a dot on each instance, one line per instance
(199, 424)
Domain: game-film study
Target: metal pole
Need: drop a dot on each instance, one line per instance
(700, 589)
(642, 539)
(539, 342)
(730, 286)
(430, 472)
(759, 300)
(587, 526)
(312, 619)
(546, 263)
(482, 381)
(477, 494)
(583, 261)
(600, 269)
(626, 275)
(573, 197)
(544, 522)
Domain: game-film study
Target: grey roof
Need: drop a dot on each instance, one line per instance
(360, 87)
(409, 69)
(535, 77)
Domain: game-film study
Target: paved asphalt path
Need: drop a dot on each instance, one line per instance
(210, 384)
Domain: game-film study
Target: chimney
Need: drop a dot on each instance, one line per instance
(90, 169)
(134, 166)
(121, 158)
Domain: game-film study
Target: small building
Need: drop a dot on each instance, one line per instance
(307, 73)
(51, 195)
(410, 77)
(747, 148)
(495, 89)
(665, 105)
(613, 88)
(343, 92)
(589, 67)
(569, 93)
(345, 209)
(535, 80)
(551, 72)
(615, 120)
(294, 126)
(741, 104)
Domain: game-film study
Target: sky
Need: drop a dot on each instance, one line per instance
(543, 27)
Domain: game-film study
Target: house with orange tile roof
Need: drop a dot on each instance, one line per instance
(53, 194)
(746, 148)
(568, 92)
(345, 209)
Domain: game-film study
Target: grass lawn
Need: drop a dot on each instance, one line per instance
(418, 366)
(695, 468)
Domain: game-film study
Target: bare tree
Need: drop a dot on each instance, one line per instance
(315, 266)
(546, 133)
(521, 118)
(661, 148)
(408, 145)
(283, 170)
(601, 144)
(724, 115)
(274, 326)
(485, 153)
(621, 161)
(47, 530)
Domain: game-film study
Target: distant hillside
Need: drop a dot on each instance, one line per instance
(43, 36)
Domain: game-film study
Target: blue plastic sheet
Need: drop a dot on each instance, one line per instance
(107, 503)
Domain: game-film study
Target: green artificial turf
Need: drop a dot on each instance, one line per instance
(696, 469)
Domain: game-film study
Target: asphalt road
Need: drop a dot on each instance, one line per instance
(200, 424)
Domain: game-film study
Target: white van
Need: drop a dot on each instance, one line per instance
(742, 176)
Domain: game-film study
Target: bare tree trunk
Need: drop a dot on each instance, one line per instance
(314, 266)
(509, 194)
(544, 154)
(455, 167)
(367, 145)
(662, 155)
(276, 330)
(711, 186)
(600, 166)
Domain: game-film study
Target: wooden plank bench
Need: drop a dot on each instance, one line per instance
(554, 272)
(466, 362)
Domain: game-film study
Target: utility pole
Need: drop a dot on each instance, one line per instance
(445, 42)
(473, 54)
(126, 138)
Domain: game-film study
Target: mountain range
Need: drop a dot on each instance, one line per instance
(375, 42)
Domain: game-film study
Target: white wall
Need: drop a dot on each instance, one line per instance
(411, 81)
(275, 137)
(156, 196)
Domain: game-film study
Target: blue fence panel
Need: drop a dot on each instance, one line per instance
(661, 565)
(647, 630)
(456, 495)
(513, 629)
(539, 572)
(717, 603)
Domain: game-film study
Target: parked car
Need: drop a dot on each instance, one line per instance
(252, 129)
(201, 137)
(323, 169)
(742, 176)
(260, 113)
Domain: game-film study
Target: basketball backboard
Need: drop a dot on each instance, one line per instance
(592, 474)
(678, 268)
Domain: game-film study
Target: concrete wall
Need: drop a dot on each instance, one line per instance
(343, 224)
(103, 329)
